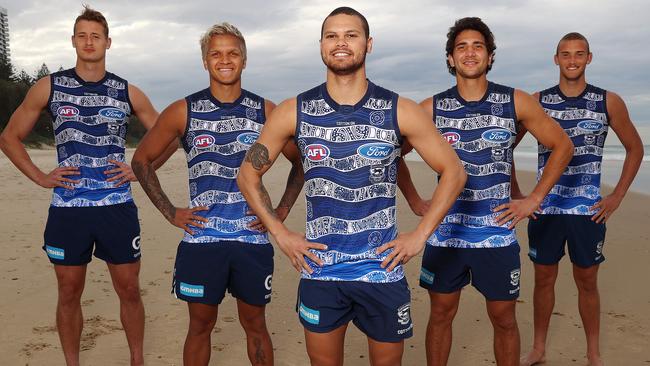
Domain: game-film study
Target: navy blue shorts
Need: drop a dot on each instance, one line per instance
(584, 238)
(494, 272)
(204, 271)
(382, 311)
(72, 232)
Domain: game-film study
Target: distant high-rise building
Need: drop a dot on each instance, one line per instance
(4, 33)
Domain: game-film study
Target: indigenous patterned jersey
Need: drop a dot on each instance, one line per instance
(482, 133)
(90, 120)
(350, 156)
(584, 118)
(217, 136)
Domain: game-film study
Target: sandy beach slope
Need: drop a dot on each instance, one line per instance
(28, 289)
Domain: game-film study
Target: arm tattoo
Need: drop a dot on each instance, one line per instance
(258, 155)
(149, 181)
(266, 199)
(295, 181)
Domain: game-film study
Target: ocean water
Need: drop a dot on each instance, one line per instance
(613, 157)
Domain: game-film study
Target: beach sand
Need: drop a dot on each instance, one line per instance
(28, 289)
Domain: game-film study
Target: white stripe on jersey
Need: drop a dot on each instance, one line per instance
(328, 225)
(348, 133)
(322, 187)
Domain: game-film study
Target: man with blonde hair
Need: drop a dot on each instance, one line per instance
(224, 248)
(90, 109)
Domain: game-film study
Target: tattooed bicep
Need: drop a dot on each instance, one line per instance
(258, 155)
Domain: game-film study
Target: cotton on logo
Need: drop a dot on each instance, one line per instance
(203, 141)
(67, 111)
(451, 137)
(317, 152)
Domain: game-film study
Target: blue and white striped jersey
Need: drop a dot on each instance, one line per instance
(217, 137)
(584, 118)
(90, 121)
(483, 134)
(350, 156)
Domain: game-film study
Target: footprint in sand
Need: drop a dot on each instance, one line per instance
(95, 327)
(228, 319)
(31, 347)
(87, 302)
(44, 329)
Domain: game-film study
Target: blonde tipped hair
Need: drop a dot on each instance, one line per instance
(221, 29)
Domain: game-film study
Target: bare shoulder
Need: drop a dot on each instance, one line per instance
(269, 106)
(614, 101)
(286, 109)
(427, 104)
(39, 94)
(136, 94)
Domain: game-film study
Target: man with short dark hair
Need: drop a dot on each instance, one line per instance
(574, 213)
(90, 109)
(349, 132)
(476, 241)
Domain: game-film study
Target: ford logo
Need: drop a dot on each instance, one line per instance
(451, 137)
(375, 150)
(112, 113)
(590, 125)
(317, 152)
(203, 141)
(67, 111)
(248, 138)
(496, 135)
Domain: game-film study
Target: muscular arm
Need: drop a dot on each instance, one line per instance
(20, 124)
(404, 181)
(170, 125)
(295, 181)
(619, 121)
(416, 126)
(277, 131)
(550, 134)
(515, 190)
(148, 116)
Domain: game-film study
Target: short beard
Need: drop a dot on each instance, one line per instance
(347, 69)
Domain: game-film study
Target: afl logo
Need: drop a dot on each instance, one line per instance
(112, 113)
(67, 111)
(248, 138)
(590, 125)
(451, 137)
(203, 141)
(375, 150)
(496, 135)
(317, 152)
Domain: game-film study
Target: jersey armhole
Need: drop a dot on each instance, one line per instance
(605, 106)
(128, 97)
(514, 111)
(395, 100)
(188, 107)
(298, 122)
(50, 97)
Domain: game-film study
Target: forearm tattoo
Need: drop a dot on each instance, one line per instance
(295, 181)
(258, 155)
(266, 199)
(149, 181)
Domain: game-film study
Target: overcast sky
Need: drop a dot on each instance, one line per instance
(155, 43)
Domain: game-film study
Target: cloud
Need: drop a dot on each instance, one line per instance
(155, 43)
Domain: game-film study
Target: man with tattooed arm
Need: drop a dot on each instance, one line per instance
(224, 247)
